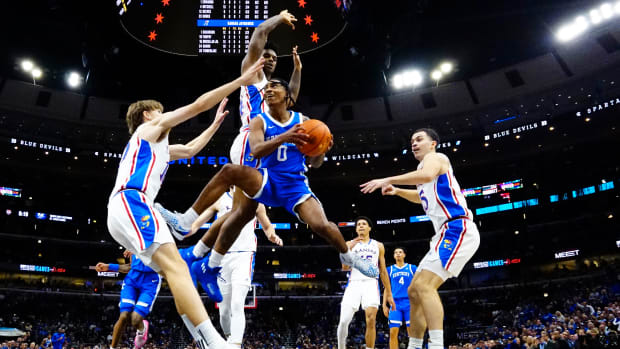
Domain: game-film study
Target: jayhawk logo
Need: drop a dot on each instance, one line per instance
(145, 222)
(250, 157)
(447, 244)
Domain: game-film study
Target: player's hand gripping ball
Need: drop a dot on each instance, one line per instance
(319, 138)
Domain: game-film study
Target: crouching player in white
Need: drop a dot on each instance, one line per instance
(235, 277)
(140, 288)
(456, 236)
(134, 223)
(401, 274)
(363, 290)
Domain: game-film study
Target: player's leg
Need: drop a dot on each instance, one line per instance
(311, 212)
(417, 325)
(129, 297)
(224, 307)
(206, 269)
(237, 314)
(241, 280)
(151, 284)
(394, 337)
(119, 328)
(346, 315)
(244, 177)
(371, 326)
(425, 284)
(186, 298)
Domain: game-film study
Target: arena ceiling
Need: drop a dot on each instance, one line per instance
(380, 39)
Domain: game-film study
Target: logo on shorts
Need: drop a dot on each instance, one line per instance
(145, 222)
(447, 244)
(250, 157)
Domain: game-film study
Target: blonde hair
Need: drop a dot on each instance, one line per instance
(135, 112)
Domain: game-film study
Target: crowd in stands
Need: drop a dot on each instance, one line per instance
(579, 313)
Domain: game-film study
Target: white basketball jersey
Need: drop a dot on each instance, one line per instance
(442, 198)
(246, 241)
(143, 166)
(251, 101)
(366, 250)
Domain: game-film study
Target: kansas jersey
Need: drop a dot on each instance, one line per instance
(246, 241)
(366, 250)
(143, 166)
(400, 278)
(286, 158)
(251, 102)
(442, 199)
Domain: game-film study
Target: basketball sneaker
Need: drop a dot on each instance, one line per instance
(208, 278)
(140, 339)
(365, 266)
(177, 228)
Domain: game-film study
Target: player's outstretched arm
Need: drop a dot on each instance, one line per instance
(385, 278)
(206, 101)
(122, 268)
(261, 147)
(295, 81)
(260, 35)
(407, 194)
(431, 169)
(186, 151)
(268, 228)
(204, 217)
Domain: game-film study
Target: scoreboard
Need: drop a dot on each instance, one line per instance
(224, 27)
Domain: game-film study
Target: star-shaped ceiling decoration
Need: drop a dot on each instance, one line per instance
(159, 18)
(302, 3)
(308, 20)
(314, 37)
(152, 36)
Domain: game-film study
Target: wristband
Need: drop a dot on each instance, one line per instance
(113, 267)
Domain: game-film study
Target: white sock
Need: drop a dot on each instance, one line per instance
(215, 260)
(435, 339)
(140, 333)
(189, 217)
(190, 327)
(369, 348)
(200, 249)
(415, 343)
(210, 336)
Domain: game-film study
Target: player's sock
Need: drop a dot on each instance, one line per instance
(435, 339)
(189, 217)
(370, 348)
(200, 249)
(140, 333)
(210, 336)
(415, 343)
(215, 260)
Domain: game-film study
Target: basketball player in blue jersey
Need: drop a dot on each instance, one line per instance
(132, 220)
(251, 103)
(401, 275)
(140, 288)
(280, 181)
(363, 290)
(456, 236)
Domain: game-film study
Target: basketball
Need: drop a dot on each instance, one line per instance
(320, 136)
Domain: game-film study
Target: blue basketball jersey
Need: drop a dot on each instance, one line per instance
(286, 158)
(400, 278)
(138, 266)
